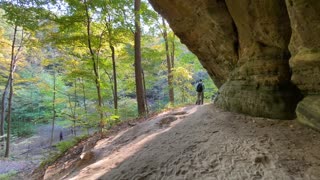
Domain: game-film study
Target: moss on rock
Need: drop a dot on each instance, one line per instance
(308, 111)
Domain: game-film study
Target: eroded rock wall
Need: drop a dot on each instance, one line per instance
(305, 57)
(263, 54)
(260, 85)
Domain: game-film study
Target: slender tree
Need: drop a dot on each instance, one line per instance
(85, 103)
(13, 65)
(9, 108)
(53, 105)
(169, 62)
(137, 62)
(113, 57)
(173, 50)
(95, 62)
(75, 105)
(145, 94)
(4, 106)
(114, 13)
(115, 87)
(4, 101)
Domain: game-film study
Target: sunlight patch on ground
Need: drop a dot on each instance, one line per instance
(94, 171)
(125, 151)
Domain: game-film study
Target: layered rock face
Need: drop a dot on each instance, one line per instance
(305, 57)
(262, 54)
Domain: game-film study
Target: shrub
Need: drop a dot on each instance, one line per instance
(8, 176)
(62, 146)
(22, 129)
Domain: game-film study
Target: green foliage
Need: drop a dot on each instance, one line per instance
(22, 129)
(8, 176)
(184, 90)
(22, 14)
(210, 90)
(50, 159)
(33, 97)
(62, 147)
(111, 121)
(128, 108)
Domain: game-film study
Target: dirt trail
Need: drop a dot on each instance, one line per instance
(201, 142)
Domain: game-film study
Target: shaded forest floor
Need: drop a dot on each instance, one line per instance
(197, 142)
(27, 153)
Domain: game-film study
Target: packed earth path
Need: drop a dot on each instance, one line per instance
(198, 142)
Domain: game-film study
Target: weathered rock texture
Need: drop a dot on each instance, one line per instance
(263, 54)
(308, 111)
(305, 57)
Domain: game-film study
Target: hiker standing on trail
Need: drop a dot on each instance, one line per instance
(61, 136)
(200, 89)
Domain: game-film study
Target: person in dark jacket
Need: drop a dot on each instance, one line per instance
(199, 89)
(61, 136)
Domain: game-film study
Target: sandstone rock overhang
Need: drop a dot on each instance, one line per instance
(264, 55)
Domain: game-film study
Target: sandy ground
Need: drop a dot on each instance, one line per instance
(200, 142)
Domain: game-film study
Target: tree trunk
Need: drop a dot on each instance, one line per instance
(53, 106)
(85, 104)
(111, 82)
(137, 57)
(145, 93)
(173, 51)
(115, 87)
(95, 66)
(113, 57)
(84, 98)
(73, 108)
(74, 114)
(10, 83)
(9, 111)
(170, 80)
(4, 104)
(71, 114)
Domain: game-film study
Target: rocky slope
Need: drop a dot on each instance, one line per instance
(264, 55)
(197, 142)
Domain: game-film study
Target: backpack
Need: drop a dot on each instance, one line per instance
(199, 87)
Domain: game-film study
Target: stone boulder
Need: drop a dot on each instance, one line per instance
(308, 111)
